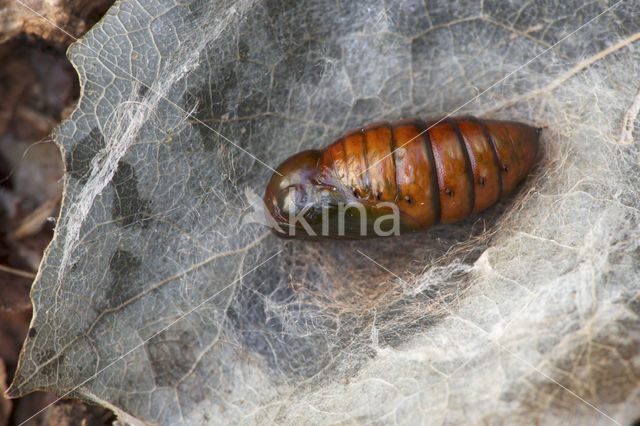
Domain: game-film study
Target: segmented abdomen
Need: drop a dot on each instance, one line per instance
(434, 172)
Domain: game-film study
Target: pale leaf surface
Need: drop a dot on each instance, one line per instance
(528, 312)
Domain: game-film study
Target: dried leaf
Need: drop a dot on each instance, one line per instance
(157, 299)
